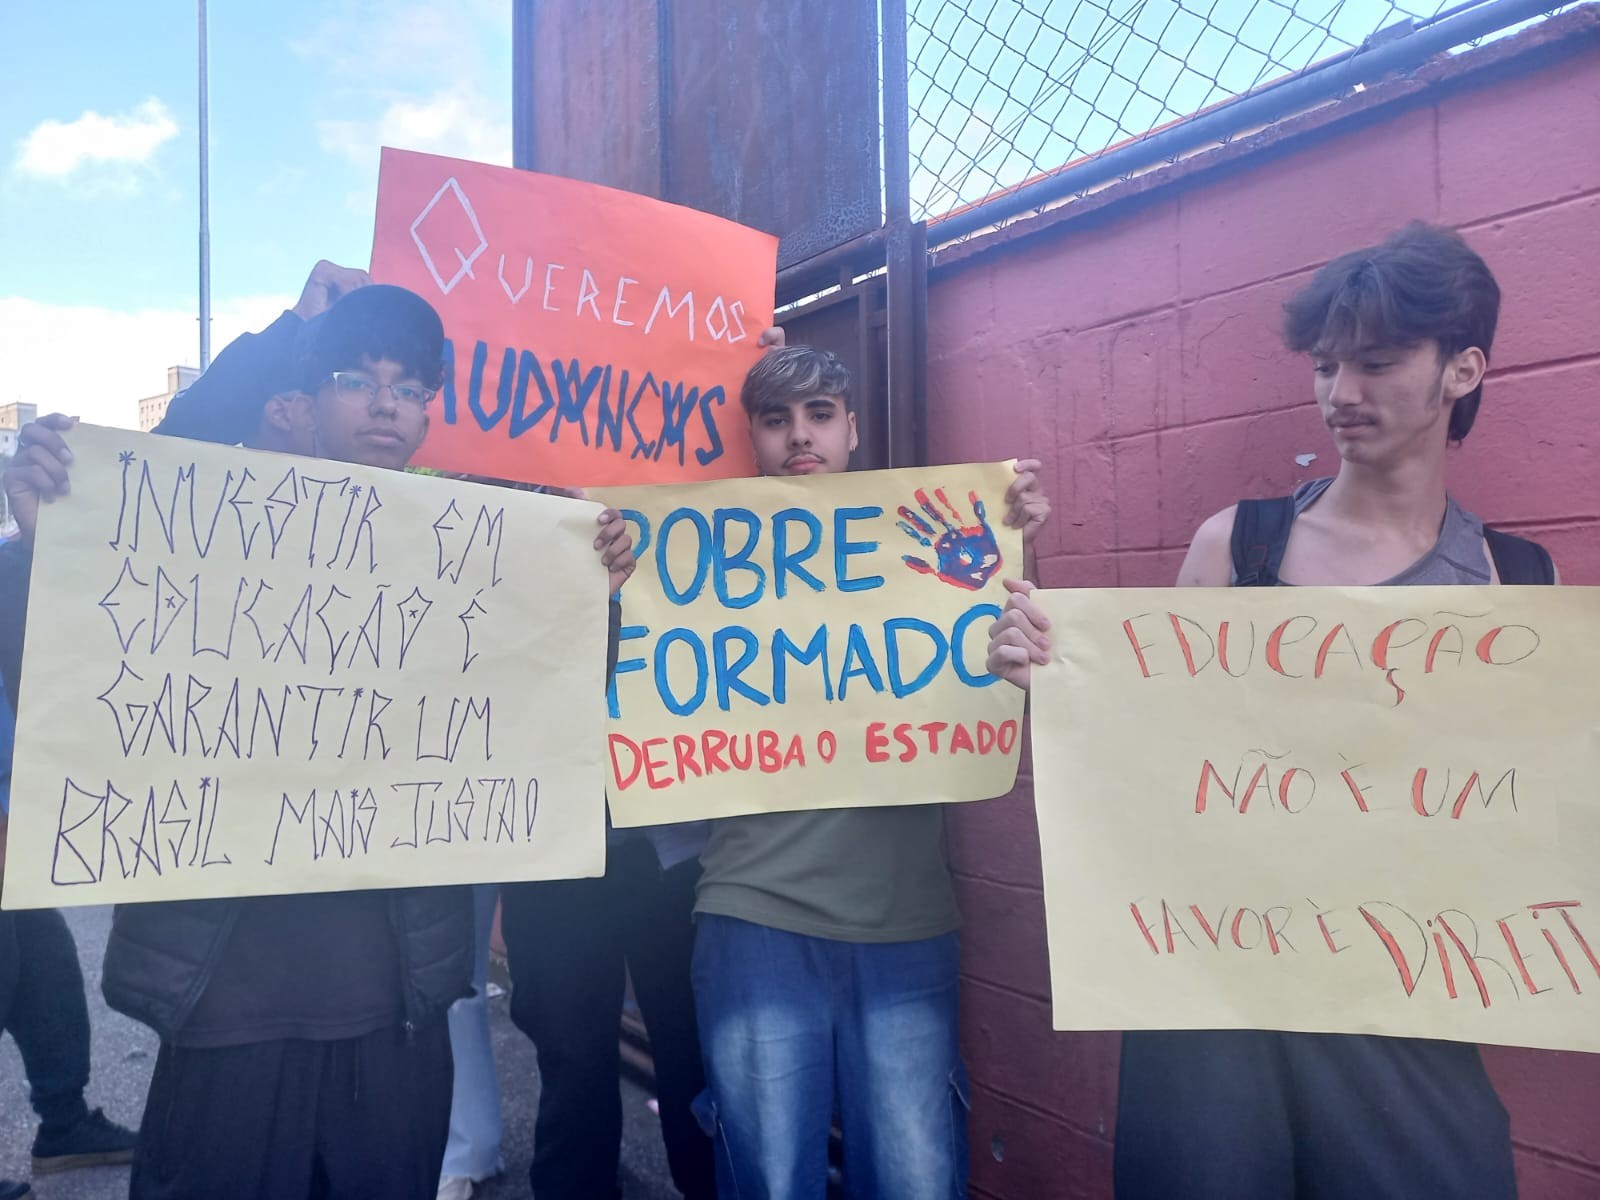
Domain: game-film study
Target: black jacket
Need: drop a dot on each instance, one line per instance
(224, 405)
(161, 956)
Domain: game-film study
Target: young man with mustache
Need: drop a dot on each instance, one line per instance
(1398, 336)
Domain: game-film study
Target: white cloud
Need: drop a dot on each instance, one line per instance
(98, 363)
(286, 180)
(119, 146)
(424, 41)
(460, 59)
(460, 122)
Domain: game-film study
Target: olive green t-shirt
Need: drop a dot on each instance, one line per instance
(850, 874)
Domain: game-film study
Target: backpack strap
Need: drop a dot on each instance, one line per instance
(1517, 560)
(1260, 536)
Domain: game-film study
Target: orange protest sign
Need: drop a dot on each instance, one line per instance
(595, 336)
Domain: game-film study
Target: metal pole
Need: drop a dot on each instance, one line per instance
(896, 114)
(1316, 84)
(666, 132)
(205, 206)
(900, 284)
(524, 144)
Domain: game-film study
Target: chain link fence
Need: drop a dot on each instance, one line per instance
(1003, 91)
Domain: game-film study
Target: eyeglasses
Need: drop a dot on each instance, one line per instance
(363, 389)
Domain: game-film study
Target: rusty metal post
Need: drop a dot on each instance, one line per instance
(896, 115)
(905, 371)
(664, 82)
(919, 344)
(524, 152)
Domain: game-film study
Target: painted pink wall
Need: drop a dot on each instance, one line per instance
(1134, 348)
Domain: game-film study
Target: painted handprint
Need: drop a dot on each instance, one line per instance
(965, 556)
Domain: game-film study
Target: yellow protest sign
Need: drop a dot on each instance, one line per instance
(249, 674)
(1356, 810)
(804, 643)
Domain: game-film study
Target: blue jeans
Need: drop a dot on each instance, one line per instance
(793, 1025)
(473, 1151)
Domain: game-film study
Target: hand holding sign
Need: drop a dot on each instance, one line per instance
(38, 473)
(966, 556)
(326, 283)
(1027, 508)
(1019, 639)
(616, 548)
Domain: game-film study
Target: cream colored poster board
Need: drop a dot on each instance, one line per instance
(1365, 810)
(251, 674)
(806, 643)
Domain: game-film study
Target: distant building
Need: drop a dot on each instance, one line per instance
(12, 418)
(153, 408)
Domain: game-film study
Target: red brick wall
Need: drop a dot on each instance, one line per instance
(1133, 346)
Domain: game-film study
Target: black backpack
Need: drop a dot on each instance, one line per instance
(1261, 532)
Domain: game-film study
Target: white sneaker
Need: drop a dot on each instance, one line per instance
(455, 1187)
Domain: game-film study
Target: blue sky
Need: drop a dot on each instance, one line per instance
(98, 168)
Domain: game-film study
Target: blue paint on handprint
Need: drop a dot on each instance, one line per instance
(966, 556)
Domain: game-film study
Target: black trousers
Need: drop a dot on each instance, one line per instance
(1252, 1115)
(358, 1119)
(567, 942)
(49, 1015)
(8, 966)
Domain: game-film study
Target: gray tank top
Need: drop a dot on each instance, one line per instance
(1457, 557)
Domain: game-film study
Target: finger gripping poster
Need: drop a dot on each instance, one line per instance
(594, 336)
(250, 674)
(1352, 810)
(805, 643)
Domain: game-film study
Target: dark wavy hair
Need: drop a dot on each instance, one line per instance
(1422, 283)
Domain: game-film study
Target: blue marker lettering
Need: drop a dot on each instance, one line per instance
(784, 648)
(958, 636)
(708, 418)
(641, 541)
(739, 560)
(529, 367)
(627, 633)
(892, 629)
(786, 562)
(857, 651)
(844, 549)
(502, 394)
(681, 708)
(728, 680)
(702, 555)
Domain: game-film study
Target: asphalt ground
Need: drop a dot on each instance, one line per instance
(123, 1055)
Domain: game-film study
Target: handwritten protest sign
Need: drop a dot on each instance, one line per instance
(813, 643)
(595, 336)
(1365, 810)
(251, 674)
